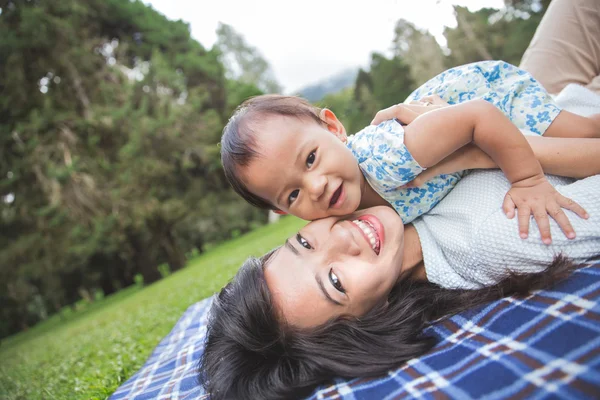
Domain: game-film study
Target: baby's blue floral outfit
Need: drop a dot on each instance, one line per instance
(387, 164)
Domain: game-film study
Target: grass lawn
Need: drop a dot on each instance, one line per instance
(94, 351)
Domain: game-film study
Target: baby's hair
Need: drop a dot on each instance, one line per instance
(238, 143)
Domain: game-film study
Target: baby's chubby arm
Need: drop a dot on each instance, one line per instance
(571, 157)
(479, 122)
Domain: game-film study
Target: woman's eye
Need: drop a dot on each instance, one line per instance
(335, 281)
(311, 158)
(303, 242)
(293, 196)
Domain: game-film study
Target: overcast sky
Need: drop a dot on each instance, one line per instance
(307, 41)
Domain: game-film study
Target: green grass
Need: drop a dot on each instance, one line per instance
(94, 351)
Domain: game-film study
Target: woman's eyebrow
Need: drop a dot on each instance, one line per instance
(294, 250)
(290, 246)
(327, 296)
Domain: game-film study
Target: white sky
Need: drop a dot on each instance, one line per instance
(309, 40)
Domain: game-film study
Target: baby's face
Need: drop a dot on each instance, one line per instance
(304, 168)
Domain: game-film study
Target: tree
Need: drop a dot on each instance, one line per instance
(109, 124)
(244, 63)
(492, 34)
(420, 49)
(387, 82)
(391, 79)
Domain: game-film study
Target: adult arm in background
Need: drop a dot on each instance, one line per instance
(566, 46)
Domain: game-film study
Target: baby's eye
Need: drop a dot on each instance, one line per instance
(335, 281)
(311, 158)
(303, 242)
(293, 196)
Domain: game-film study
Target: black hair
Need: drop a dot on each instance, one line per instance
(251, 353)
(238, 142)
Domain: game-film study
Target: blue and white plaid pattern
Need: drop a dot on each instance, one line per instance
(545, 346)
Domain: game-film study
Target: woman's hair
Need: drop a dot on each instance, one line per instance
(238, 143)
(250, 353)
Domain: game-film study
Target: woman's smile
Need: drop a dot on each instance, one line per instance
(372, 230)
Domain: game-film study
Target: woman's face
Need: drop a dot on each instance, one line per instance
(337, 265)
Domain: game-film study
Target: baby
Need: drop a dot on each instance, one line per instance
(284, 154)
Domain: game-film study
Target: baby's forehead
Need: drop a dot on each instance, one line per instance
(273, 131)
(258, 120)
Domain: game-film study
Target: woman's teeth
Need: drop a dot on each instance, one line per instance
(369, 230)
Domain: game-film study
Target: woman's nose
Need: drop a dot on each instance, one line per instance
(342, 239)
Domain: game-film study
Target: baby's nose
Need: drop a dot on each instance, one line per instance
(316, 187)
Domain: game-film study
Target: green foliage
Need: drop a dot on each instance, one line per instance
(419, 49)
(164, 270)
(387, 81)
(244, 63)
(491, 34)
(138, 279)
(88, 354)
(110, 116)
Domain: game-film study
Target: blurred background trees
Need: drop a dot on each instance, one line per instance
(110, 118)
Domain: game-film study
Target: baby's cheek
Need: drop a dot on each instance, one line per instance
(311, 214)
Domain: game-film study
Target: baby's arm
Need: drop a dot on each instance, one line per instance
(480, 122)
(570, 157)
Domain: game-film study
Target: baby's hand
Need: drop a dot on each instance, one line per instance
(537, 196)
(406, 113)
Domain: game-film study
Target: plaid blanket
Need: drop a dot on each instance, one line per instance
(545, 346)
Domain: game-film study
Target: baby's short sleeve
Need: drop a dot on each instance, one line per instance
(383, 157)
(387, 165)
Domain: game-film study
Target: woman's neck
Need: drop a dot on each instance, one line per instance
(413, 254)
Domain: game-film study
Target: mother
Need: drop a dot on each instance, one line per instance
(329, 303)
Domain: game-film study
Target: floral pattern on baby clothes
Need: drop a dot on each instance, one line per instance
(387, 164)
(512, 90)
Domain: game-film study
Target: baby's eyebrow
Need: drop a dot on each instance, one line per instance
(290, 246)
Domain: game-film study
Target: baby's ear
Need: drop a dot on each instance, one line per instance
(279, 212)
(333, 124)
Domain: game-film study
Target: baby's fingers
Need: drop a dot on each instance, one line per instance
(523, 213)
(543, 223)
(508, 206)
(562, 220)
(569, 204)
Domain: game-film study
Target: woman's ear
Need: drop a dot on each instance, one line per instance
(333, 124)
